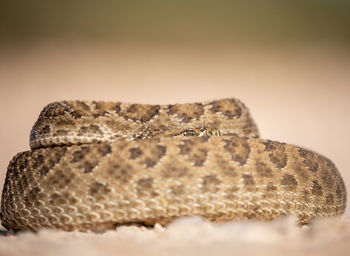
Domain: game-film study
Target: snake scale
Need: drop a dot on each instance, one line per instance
(96, 165)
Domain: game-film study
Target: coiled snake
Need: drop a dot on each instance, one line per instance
(96, 165)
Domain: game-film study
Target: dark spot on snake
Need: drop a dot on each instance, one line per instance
(139, 112)
(277, 153)
(224, 166)
(90, 129)
(95, 129)
(98, 188)
(77, 114)
(174, 169)
(309, 159)
(338, 191)
(316, 189)
(263, 170)
(329, 199)
(39, 160)
(156, 153)
(238, 148)
(228, 107)
(248, 180)
(306, 195)
(300, 171)
(33, 195)
(145, 184)
(120, 171)
(135, 153)
(150, 162)
(195, 154)
(331, 166)
(177, 190)
(44, 170)
(210, 183)
(117, 108)
(328, 179)
(289, 182)
(161, 150)
(80, 154)
(46, 164)
(99, 114)
(186, 112)
(204, 138)
(62, 132)
(271, 187)
(45, 130)
(82, 105)
(88, 167)
(104, 149)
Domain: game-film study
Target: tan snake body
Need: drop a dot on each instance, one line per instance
(96, 165)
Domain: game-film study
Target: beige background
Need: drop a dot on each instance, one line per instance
(298, 95)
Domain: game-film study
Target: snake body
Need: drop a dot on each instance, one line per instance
(95, 165)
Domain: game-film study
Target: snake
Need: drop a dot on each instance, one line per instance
(96, 165)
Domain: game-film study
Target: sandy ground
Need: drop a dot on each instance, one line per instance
(296, 95)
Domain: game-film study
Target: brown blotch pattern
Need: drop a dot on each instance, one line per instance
(341, 191)
(210, 183)
(194, 151)
(103, 108)
(120, 171)
(61, 178)
(289, 182)
(139, 112)
(238, 148)
(104, 149)
(330, 199)
(177, 190)
(80, 154)
(32, 196)
(135, 153)
(301, 171)
(88, 157)
(94, 129)
(187, 112)
(229, 107)
(316, 189)
(306, 195)
(156, 154)
(263, 170)
(97, 188)
(224, 166)
(146, 183)
(271, 187)
(78, 109)
(309, 159)
(45, 163)
(248, 180)
(46, 129)
(231, 193)
(148, 155)
(277, 153)
(174, 169)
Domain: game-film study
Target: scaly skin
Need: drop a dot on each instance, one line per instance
(96, 165)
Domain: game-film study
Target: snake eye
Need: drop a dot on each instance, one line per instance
(190, 133)
(212, 132)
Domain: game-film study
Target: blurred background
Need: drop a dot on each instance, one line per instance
(289, 61)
